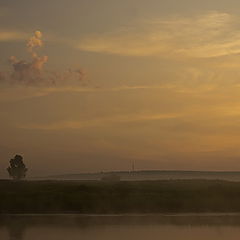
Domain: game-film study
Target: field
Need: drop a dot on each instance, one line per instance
(97, 197)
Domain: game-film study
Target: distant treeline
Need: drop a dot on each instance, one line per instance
(146, 175)
(96, 197)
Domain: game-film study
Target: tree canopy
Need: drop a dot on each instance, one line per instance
(17, 169)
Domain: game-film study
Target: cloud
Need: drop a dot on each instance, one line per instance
(29, 72)
(2, 77)
(35, 41)
(20, 92)
(209, 35)
(100, 122)
(32, 73)
(6, 36)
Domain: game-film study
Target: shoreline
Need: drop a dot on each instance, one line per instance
(121, 215)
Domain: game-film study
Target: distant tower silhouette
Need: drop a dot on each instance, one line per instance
(133, 166)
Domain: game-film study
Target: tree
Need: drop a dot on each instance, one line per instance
(17, 169)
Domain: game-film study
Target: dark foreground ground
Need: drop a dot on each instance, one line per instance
(96, 197)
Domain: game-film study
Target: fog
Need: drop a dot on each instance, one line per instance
(183, 227)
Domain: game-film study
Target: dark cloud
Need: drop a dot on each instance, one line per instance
(29, 72)
(33, 73)
(67, 77)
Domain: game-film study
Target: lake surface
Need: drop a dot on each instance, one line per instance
(78, 227)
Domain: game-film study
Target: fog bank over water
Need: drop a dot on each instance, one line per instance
(181, 227)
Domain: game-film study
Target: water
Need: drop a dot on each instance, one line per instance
(72, 227)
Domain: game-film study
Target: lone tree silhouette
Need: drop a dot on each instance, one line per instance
(17, 169)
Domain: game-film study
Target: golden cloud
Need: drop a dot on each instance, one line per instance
(100, 122)
(210, 35)
(12, 36)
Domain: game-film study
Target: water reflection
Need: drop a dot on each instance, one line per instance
(61, 227)
(16, 231)
(15, 226)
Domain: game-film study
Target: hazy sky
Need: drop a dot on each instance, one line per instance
(90, 85)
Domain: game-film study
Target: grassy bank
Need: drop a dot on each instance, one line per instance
(177, 196)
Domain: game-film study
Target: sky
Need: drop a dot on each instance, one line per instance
(89, 85)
